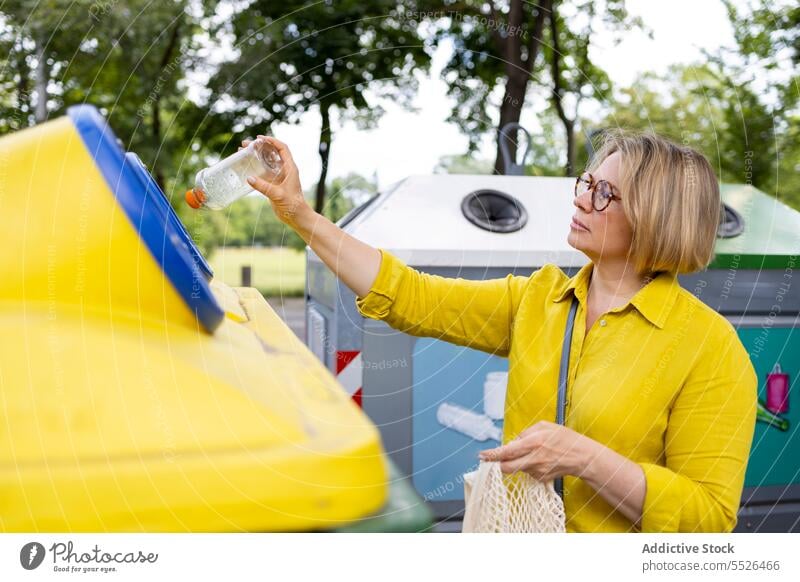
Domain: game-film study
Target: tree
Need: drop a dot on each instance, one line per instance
(701, 107)
(766, 67)
(769, 32)
(573, 75)
(293, 56)
(674, 105)
(497, 44)
(135, 71)
(127, 58)
(39, 40)
(348, 192)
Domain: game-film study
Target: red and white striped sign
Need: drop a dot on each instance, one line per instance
(349, 373)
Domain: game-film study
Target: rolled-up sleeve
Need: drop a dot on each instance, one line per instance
(378, 302)
(477, 314)
(707, 445)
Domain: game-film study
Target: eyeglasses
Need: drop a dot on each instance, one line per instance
(602, 192)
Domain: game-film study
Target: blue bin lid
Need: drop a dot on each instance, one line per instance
(147, 214)
(174, 224)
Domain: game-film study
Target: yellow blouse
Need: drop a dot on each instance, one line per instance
(663, 380)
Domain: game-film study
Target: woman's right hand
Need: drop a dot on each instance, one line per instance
(356, 263)
(284, 192)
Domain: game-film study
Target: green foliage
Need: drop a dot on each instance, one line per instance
(140, 62)
(547, 156)
(126, 58)
(245, 223)
(768, 38)
(573, 77)
(293, 56)
(39, 41)
(347, 192)
(745, 140)
(275, 272)
(334, 57)
(486, 46)
(251, 222)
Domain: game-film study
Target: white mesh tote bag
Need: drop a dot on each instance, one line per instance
(518, 503)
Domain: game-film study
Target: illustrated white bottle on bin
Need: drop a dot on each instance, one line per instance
(474, 425)
(223, 183)
(494, 394)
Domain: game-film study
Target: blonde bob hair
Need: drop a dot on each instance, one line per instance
(670, 196)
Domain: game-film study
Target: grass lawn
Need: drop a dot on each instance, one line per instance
(276, 271)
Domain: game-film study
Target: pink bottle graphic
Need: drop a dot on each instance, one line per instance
(777, 391)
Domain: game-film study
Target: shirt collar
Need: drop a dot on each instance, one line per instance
(654, 301)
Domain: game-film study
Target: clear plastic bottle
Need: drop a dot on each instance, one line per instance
(226, 181)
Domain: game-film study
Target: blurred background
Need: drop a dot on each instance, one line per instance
(367, 92)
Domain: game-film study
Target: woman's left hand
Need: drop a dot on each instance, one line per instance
(545, 451)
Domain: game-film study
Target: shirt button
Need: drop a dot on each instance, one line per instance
(602, 323)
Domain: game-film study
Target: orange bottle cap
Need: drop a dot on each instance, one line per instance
(195, 198)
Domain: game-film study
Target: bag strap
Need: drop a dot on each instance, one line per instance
(563, 372)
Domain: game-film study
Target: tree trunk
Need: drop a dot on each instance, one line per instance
(569, 168)
(23, 92)
(40, 84)
(155, 106)
(324, 153)
(155, 109)
(518, 72)
(558, 92)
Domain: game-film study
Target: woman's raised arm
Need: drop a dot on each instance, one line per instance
(354, 262)
(477, 314)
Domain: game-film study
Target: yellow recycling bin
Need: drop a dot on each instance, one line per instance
(137, 394)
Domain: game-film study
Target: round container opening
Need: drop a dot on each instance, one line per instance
(494, 211)
(731, 223)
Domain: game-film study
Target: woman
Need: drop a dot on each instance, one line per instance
(661, 399)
